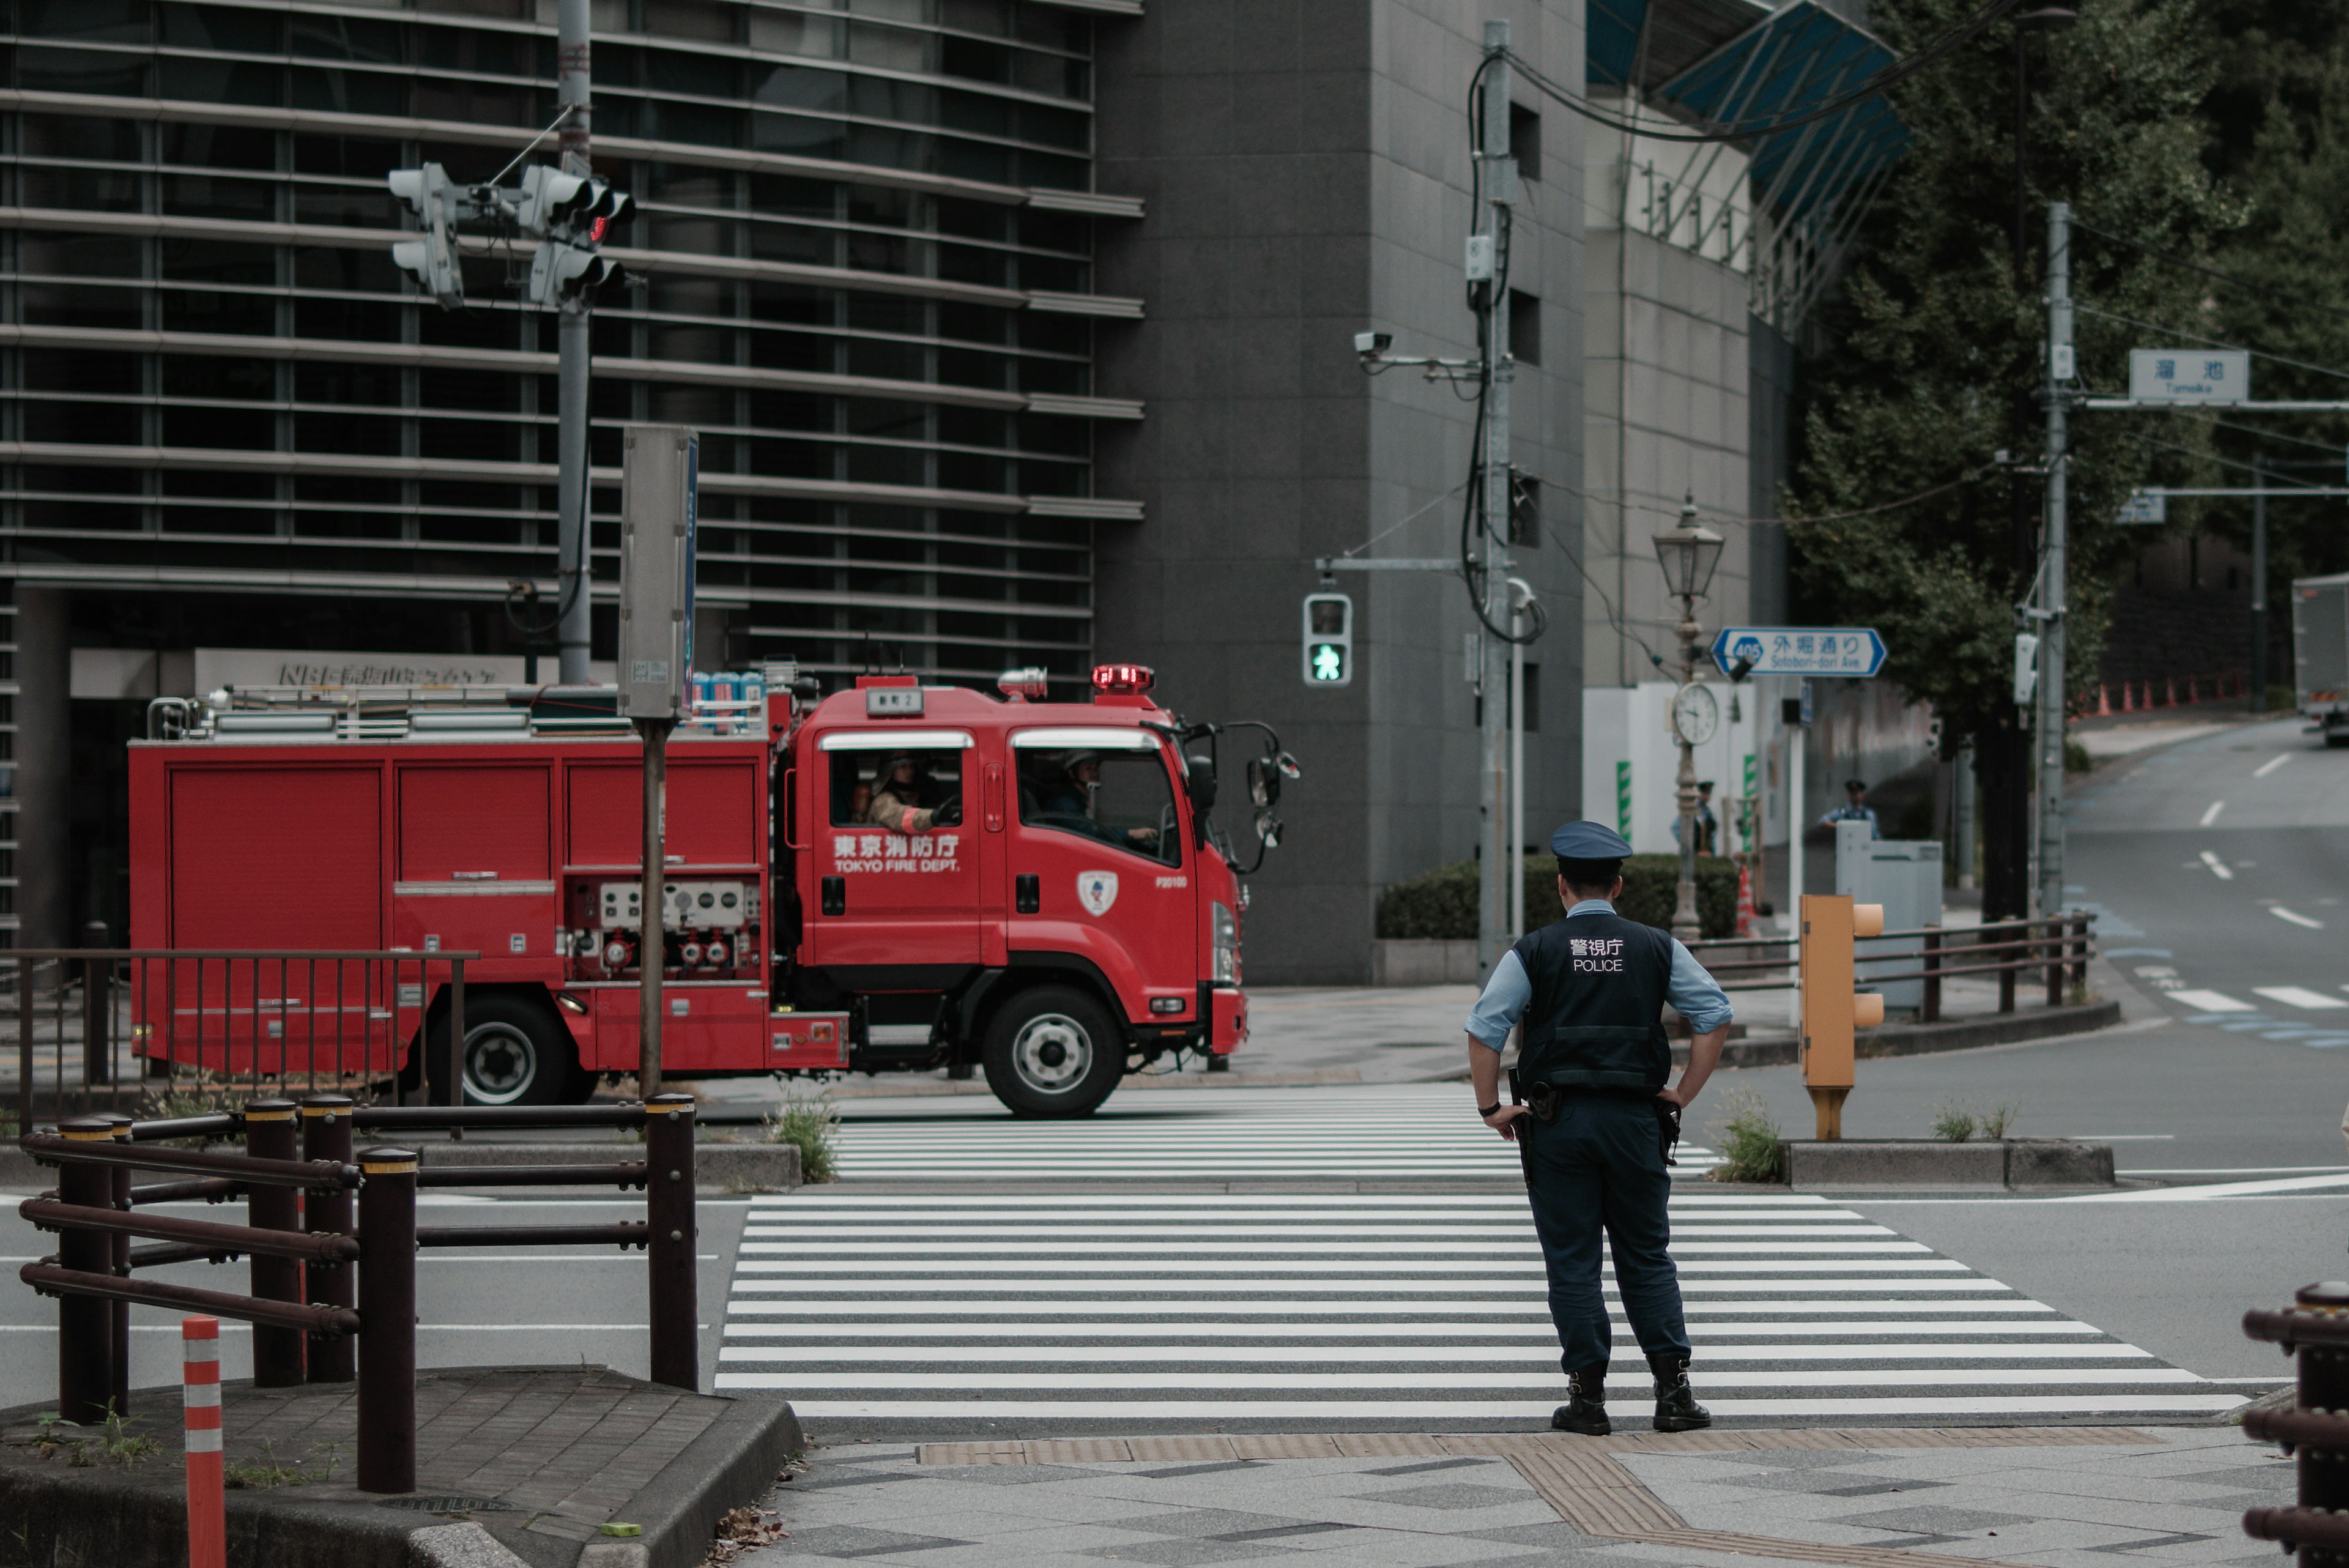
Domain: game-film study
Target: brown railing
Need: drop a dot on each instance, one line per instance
(2060, 945)
(154, 1020)
(2316, 1329)
(316, 1317)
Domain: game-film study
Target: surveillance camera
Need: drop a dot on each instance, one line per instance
(1369, 343)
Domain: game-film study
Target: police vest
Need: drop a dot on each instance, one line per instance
(1596, 1017)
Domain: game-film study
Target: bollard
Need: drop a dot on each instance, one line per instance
(119, 1246)
(326, 1135)
(96, 1012)
(199, 1397)
(1931, 1013)
(386, 1358)
(670, 1231)
(271, 1132)
(1831, 1009)
(85, 1324)
(2080, 952)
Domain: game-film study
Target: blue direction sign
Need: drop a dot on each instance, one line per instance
(1854, 650)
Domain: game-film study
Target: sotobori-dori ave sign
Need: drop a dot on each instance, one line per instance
(2189, 375)
(1854, 650)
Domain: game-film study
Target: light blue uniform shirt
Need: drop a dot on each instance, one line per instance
(1692, 991)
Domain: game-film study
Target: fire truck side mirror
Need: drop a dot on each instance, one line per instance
(1264, 782)
(1202, 785)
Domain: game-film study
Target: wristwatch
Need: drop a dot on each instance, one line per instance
(1488, 1110)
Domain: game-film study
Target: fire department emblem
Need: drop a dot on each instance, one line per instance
(1097, 891)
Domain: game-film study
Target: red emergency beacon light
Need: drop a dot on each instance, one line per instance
(1122, 679)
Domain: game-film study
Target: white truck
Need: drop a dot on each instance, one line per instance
(2320, 654)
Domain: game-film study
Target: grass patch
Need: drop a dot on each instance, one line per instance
(1753, 1145)
(110, 1446)
(1954, 1122)
(1957, 1121)
(807, 1124)
(268, 1470)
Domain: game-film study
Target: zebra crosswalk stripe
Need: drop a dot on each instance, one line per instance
(1172, 1306)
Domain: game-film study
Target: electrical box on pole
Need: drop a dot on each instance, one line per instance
(659, 471)
(1328, 641)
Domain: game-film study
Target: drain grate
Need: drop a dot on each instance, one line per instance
(429, 1504)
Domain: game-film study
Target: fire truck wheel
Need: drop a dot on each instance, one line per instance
(515, 1054)
(1053, 1052)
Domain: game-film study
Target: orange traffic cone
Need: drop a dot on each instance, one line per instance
(2103, 702)
(1745, 901)
(2169, 690)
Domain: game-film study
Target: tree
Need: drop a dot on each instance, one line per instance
(1933, 363)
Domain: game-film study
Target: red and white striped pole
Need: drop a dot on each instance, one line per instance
(200, 1394)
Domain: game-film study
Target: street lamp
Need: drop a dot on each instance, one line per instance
(1688, 556)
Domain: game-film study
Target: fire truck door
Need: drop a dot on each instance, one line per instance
(475, 864)
(1099, 864)
(896, 883)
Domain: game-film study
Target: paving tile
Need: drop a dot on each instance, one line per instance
(857, 1540)
(1837, 1483)
(1932, 1520)
(1448, 1495)
(1177, 1552)
(1204, 1521)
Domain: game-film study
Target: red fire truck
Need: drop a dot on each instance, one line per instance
(897, 878)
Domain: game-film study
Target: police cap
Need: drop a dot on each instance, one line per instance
(1587, 841)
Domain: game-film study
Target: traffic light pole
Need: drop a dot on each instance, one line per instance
(2054, 591)
(1499, 860)
(574, 584)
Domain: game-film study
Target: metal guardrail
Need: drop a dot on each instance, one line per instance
(2061, 945)
(2316, 1328)
(332, 1240)
(269, 1019)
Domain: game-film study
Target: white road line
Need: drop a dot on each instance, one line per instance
(1533, 1326)
(2210, 1192)
(1465, 1409)
(2218, 867)
(2297, 996)
(1482, 1311)
(1379, 1355)
(1490, 1228)
(944, 1251)
(1238, 1202)
(2281, 913)
(2264, 769)
(1371, 1286)
(1106, 1382)
(2209, 1002)
(1529, 1266)
(2212, 816)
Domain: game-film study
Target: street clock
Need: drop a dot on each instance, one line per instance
(1696, 713)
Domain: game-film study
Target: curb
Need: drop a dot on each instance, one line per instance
(138, 1519)
(1936, 1162)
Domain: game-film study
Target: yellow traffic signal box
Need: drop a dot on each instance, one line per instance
(1831, 1009)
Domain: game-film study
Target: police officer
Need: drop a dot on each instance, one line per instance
(1593, 1119)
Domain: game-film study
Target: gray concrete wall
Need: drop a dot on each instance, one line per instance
(1305, 165)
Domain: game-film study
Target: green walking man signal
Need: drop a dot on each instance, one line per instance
(1328, 640)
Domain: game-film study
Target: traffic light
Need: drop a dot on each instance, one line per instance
(431, 258)
(573, 205)
(1831, 1009)
(1328, 640)
(564, 274)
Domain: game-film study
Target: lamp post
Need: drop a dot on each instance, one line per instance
(1688, 556)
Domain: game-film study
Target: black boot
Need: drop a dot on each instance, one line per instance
(1676, 1406)
(1585, 1410)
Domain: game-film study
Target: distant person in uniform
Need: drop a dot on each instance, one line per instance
(1855, 809)
(1708, 826)
(1593, 1119)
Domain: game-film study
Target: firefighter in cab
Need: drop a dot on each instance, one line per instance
(1595, 1115)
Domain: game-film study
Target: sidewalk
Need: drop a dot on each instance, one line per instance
(2052, 1497)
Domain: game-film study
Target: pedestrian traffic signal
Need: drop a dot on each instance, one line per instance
(1832, 1011)
(431, 258)
(566, 275)
(1328, 640)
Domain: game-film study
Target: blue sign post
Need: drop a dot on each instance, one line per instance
(1814, 651)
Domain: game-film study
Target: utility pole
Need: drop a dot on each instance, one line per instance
(574, 584)
(2053, 605)
(2260, 583)
(1498, 180)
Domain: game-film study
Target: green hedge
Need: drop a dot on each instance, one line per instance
(1442, 902)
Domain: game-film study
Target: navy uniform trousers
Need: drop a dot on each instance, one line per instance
(1598, 1167)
